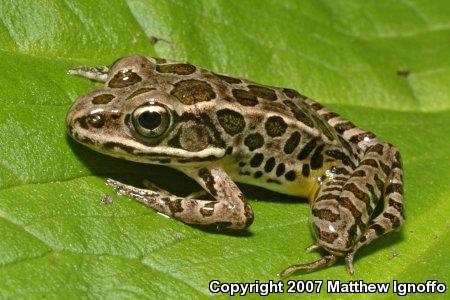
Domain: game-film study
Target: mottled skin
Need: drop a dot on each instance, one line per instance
(219, 129)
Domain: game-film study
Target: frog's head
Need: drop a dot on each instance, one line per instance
(143, 116)
(335, 229)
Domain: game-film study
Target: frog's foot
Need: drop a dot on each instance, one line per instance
(131, 191)
(228, 210)
(325, 261)
(93, 73)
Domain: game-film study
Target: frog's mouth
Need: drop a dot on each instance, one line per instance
(137, 152)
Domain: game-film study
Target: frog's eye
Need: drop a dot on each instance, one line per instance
(151, 120)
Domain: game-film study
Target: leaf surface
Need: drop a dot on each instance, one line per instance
(383, 65)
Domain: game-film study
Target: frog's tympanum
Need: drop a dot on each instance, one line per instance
(220, 130)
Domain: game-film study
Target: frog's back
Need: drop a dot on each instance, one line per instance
(273, 136)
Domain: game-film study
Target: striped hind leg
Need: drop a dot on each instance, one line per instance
(392, 217)
(323, 210)
(343, 208)
(343, 214)
(388, 175)
(391, 191)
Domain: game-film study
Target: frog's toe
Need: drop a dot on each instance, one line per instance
(201, 195)
(349, 263)
(117, 185)
(120, 187)
(129, 190)
(315, 265)
(314, 247)
(149, 185)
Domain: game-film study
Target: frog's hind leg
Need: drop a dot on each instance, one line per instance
(324, 212)
(392, 217)
(379, 173)
(325, 261)
(93, 73)
(376, 174)
(228, 210)
(343, 207)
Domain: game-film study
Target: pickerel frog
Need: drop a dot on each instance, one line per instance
(220, 130)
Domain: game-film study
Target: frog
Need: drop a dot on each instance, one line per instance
(222, 130)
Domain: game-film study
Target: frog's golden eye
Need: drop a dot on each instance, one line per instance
(151, 120)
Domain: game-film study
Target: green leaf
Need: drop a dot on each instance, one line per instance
(385, 65)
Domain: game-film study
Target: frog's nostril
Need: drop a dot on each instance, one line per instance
(95, 120)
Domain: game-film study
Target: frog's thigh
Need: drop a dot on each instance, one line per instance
(95, 73)
(229, 210)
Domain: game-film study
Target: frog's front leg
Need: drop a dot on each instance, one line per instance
(229, 209)
(343, 208)
(93, 73)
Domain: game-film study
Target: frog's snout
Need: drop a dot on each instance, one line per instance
(70, 122)
(84, 122)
